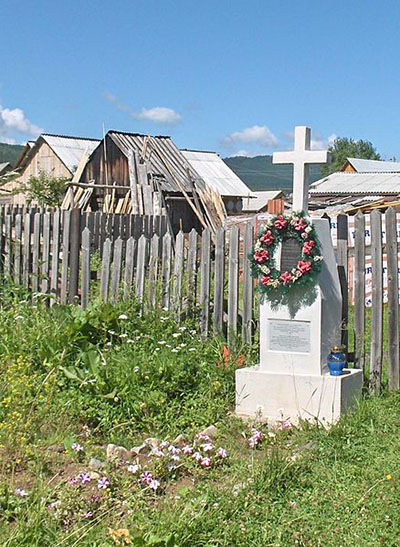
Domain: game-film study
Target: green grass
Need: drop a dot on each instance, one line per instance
(69, 376)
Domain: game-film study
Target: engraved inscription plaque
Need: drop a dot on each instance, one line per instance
(289, 336)
(290, 255)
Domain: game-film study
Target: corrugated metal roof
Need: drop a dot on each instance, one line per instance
(358, 183)
(374, 166)
(214, 171)
(70, 149)
(165, 159)
(261, 200)
(4, 166)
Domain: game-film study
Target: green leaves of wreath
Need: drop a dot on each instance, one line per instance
(263, 266)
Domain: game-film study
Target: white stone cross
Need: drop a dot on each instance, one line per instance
(301, 157)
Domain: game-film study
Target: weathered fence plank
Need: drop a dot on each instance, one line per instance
(85, 289)
(248, 286)
(55, 257)
(233, 284)
(26, 258)
(166, 270)
(359, 291)
(219, 281)
(17, 249)
(8, 247)
(36, 251)
(129, 267)
(153, 269)
(74, 247)
(393, 297)
(105, 270)
(116, 271)
(342, 261)
(377, 302)
(205, 271)
(65, 256)
(46, 252)
(192, 268)
(141, 267)
(178, 271)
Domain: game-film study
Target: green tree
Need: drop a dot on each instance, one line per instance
(343, 148)
(45, 190)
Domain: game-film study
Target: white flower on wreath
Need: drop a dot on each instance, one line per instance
(308, 229)
(265, 270)
(318, 258)
(257, 246)
(304, 235)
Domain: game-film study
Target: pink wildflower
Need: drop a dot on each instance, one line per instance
(134, 468)
(175, 451)
(197, 456)
(285, 424)
(207, 447)
(164, 444)
(103, 483)
(187, 449)
(154, 484)
(146, 477)
(77, 447)
(205, 462)
(21, 493)
(87, 515)
(203, 437)
(84, 477)
(221, 453)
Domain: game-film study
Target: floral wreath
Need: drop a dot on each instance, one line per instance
(277, 229)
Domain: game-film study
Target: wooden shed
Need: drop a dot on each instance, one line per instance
(143, 174)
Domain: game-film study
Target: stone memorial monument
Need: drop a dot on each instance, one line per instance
(292, 380)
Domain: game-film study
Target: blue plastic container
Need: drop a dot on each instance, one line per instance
(337, 361)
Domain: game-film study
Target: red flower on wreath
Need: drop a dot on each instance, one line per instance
(304, 266)
(266, 279)
(280, 222)
(267, 238)
(308, 247)
(261, 256)
(299, 225)
(286, 278)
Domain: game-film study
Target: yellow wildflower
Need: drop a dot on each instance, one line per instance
(120, 536)
(389, 477)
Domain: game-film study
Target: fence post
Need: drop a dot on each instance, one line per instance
(65, 256)
(105, 270)
(86, 236)
(359, 291)
(178, 272)
(248, 287)
(205, 281)
(17, 249)
(233, 284)
(219, 281)
(393, 297)
(75, 240)
(55, 249)
(377, 304)
(342, 236)
(116, 272)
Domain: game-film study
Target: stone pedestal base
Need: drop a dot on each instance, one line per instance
(318, 399)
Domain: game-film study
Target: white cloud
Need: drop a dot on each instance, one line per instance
(109, 96)
(14, 124)
(319, 143)
(260, 135)
(158, 114)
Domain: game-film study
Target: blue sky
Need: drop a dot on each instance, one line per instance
(233, 77)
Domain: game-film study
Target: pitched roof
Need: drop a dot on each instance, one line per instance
(68, 149)
(216, 173)
(261, 200)
(374, 166)
(357, 183)
(165, 158)
(6, 166)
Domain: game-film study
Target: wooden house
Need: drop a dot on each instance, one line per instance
(57, 155)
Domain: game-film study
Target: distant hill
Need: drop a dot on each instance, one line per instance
(10, 152)
(259, 173)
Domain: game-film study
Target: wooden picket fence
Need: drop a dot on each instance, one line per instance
(72, 257)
